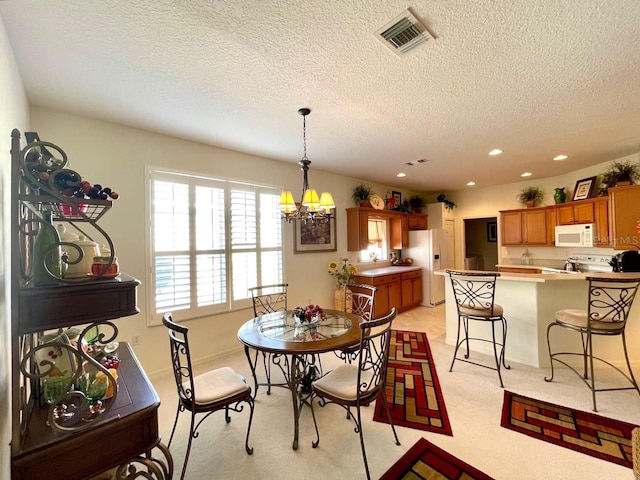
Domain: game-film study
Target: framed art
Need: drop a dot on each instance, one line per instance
(492, 232)
(397, 198)
(583, 188)
(315, 236)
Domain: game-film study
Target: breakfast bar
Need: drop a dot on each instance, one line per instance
(530, 301)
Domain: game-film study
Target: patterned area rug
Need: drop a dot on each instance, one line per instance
(583, 432)
(426, 461)
(413, 391)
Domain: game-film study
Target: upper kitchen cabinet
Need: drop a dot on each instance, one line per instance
(358, 227)
(528, 226)
(624, 211)
(603, 225)
(582, 211)
(417, 221)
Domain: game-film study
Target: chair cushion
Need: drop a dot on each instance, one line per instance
(578, 318)
(342, 382)
(217, 385)
(481, 312)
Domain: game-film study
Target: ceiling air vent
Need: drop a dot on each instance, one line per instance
(403, 33)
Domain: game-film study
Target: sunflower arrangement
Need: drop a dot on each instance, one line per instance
(342, 270)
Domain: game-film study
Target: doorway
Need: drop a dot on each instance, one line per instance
(481, 243)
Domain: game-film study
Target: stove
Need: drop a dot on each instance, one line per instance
(591, 262)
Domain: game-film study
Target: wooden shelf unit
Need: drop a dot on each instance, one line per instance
(125, 431)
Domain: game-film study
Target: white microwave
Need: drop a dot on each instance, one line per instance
(582, 235)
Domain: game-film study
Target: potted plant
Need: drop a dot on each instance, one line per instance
(361, 194)
(416, 202)
(621, 173)
(529, 196)
(448, 204)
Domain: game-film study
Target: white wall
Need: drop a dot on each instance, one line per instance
(13, 114)
(116, 156)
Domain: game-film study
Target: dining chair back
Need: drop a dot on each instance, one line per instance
(359, 300)
(362, 299)
(474, 293)
(352, 385)
(608, 306)
(268, 299)
(206, 393)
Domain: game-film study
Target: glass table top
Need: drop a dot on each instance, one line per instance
(283, 326)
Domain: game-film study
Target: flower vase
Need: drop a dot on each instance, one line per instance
(339, 299)
(560, 196)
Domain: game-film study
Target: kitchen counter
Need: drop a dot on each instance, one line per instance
(530, 302)
(376, 272)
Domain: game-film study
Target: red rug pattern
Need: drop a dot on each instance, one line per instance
(427, 461)
(412, 390)
(583, 432)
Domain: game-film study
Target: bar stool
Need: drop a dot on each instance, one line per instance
(474, 292)
(609, 303)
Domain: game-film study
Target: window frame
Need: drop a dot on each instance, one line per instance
(193, 179)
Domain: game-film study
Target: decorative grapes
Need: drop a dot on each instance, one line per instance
(110, 361)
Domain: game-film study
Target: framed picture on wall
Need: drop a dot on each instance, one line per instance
(492, 232)
(315, 236)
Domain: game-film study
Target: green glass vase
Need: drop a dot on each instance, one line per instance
(560, 196)
(46, 256)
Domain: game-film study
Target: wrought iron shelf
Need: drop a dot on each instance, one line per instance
(72, 209)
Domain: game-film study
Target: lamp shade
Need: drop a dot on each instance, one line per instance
(286, 202)
(311, 200)
(326, 202)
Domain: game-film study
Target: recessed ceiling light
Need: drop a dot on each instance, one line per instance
(471, 184)
(560, 157)
(401, 174)
(495, 151)
(526, 174)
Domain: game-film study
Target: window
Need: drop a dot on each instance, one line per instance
(377, 235)
(211, 240)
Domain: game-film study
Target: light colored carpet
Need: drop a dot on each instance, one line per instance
(473, 399)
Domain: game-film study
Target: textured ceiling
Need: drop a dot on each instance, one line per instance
(534, 78)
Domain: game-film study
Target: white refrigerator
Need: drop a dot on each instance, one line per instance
(428, 248)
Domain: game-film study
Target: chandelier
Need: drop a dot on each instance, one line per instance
(312, 208)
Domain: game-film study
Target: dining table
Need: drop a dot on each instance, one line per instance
(299, 343)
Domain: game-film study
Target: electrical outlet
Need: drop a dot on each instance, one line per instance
(135, 339)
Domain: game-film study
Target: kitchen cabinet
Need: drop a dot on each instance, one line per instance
(73, 436)
(582, 211)
(417, 221)
(402, 290)
(603, 225)
(411, 289)
(525, 226)
(358, 228)
(624, 211)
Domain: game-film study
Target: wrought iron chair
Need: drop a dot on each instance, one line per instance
(609, 303)
(352, 385)
(268, 299)
(474, 292)
(209, 392)
(358, 299)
